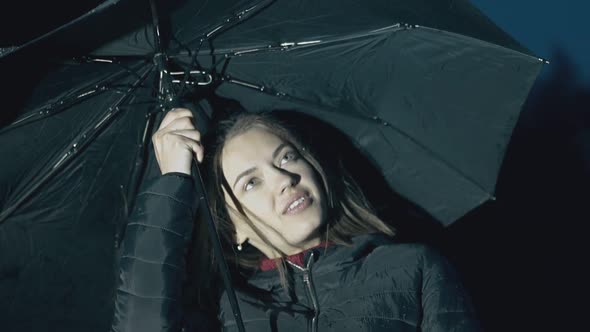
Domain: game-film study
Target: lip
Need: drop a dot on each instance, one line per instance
(301, 207)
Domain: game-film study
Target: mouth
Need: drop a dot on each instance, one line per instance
(298, 204)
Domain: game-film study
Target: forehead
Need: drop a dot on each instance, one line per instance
(244, 150)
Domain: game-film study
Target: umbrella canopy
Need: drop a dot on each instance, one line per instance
(428, 90)
(433, 108)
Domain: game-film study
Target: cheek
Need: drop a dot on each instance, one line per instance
(314, 180)
(241, 226)
(258, 204)
(234, 214)
(318, 185)
(264, 208)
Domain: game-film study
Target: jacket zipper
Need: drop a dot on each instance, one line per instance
(308, 282)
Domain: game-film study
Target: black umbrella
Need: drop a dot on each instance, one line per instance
(429, 90)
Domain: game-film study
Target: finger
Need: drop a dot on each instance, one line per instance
(195, 146)
(179, 124)
(162, 137)
(174, 114)
(194, 135)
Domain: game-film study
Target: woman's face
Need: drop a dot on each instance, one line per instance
(278, 189)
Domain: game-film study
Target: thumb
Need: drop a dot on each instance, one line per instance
(197, 149)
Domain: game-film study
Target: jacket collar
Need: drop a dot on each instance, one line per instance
(327, 259)
(267, 264)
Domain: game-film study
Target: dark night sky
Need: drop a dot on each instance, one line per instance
(546, 25)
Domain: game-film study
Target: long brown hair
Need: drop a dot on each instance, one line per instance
(349, 214)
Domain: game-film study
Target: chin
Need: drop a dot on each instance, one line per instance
(305, 234)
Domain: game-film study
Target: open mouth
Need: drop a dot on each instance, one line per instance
(298, 205)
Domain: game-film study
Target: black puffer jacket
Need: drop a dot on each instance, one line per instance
(373, 285)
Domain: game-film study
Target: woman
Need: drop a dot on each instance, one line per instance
(309, 253)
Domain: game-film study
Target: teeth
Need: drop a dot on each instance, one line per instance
(296, 203)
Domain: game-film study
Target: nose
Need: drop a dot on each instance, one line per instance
(284, 179)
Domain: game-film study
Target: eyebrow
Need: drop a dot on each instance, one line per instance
(252, 169)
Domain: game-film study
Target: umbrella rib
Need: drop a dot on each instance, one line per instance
(65, 102)
(137, 171)
(234, 20)
(303, 102)
(82, 140)
(103, 6)
(287, 46)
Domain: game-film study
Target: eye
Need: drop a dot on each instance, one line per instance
(250, 184)
(290, 155)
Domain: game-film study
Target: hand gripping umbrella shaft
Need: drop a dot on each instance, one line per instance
(168, 99)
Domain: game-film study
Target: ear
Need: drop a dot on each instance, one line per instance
(241, 236)
(242, 229)
(240, 225)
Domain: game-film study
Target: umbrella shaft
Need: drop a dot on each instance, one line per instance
(215, 241)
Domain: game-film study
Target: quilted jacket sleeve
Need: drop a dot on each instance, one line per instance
(446, 305)
(152, 266)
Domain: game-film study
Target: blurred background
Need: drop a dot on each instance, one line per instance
(546, 27)
(523, 255)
